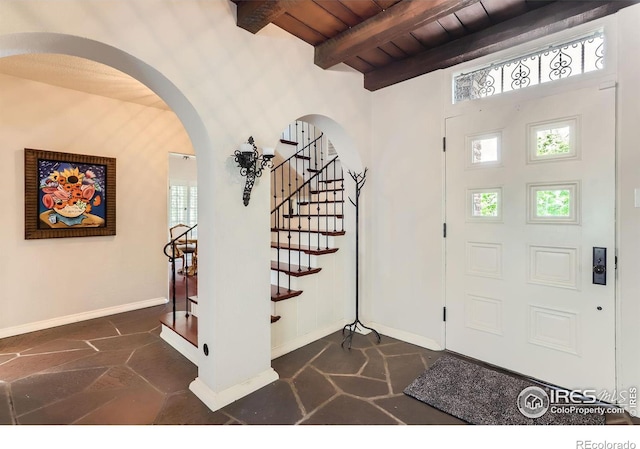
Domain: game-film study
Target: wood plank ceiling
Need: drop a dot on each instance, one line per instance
(390, 41)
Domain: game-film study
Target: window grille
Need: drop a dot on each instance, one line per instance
(561, 61)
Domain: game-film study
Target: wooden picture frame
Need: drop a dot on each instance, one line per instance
(68, 195)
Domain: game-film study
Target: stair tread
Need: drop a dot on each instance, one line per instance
(288, 142)
(314, 170)
(284, 293)
(293, 270)
(312, 215)
(275, 318)
(337, 189)
(331, 180)
(300, 156)
(306, 203)
(185, 326)
(313, 231)
(304, 248)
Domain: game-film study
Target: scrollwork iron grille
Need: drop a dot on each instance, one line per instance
(561, 61)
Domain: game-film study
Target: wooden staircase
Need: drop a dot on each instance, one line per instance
(302, 233)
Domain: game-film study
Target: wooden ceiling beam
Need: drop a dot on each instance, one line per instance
(535, 24)
(254, 15)
(398, 20)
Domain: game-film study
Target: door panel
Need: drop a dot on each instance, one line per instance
(530, 190)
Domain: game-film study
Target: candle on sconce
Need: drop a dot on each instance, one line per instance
(268, 151)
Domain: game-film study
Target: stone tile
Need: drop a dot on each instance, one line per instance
(164, 367)
(147, 318)
(411, 411)
(337, 360)
(25, 366)
(6, 417)
(59, 345)
(375, 365)
(431, 356)
(401, 348)
(185, 408)
(22, 342)
(349, 411)
(134, 406)
(617, 419)
(43, 389)
(94, 360)
(133, 341)
(334, 337)
(358, 340)
(116, 378)
(289, 364)
(386, 340)
(6, 357)
(403, 370)
(68, 410)
(143, 323)
(313, 389)
(360, 386)
(88, 330)
(123, 317)
(272, 404)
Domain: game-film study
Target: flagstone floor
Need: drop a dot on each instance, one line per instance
(117, 370)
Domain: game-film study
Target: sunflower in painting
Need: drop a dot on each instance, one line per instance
(70, 193)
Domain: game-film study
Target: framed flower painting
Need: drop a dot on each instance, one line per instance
(69, 195)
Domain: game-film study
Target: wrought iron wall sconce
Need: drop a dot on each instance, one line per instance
(251, 164)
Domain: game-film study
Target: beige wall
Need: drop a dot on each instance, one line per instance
(53, 279)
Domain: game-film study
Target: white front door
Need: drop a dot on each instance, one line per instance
(530, 191)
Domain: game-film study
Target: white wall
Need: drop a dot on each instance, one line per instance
(628, 162)
(404, 198)
(235, 84)
(51, 279)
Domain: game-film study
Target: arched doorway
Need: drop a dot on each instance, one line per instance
(102, 271)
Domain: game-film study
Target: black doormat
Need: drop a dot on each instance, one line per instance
(481, 395)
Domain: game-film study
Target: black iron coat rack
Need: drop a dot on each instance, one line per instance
(349, 329)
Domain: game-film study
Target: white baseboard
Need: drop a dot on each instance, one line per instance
(303, 340)
(181, 345)
(217, 400)
(409, 337)
(60, 321)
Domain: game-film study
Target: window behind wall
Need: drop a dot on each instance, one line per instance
(183, 205)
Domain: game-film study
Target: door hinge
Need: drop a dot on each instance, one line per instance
(444, 230)
(444, 313)
(444, 144)
(615, 262)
